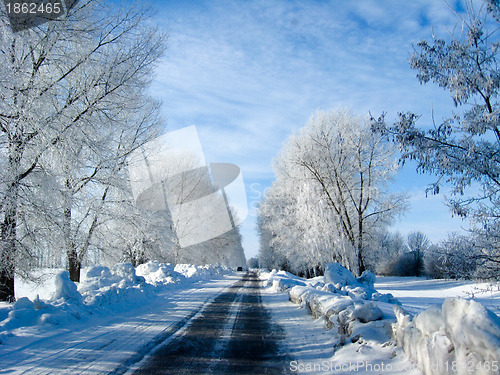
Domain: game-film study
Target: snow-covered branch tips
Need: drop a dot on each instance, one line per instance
(202, 201)
(25, 14)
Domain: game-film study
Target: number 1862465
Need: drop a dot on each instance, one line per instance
(34, 8)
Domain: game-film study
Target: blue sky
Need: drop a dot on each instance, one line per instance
(248, 73)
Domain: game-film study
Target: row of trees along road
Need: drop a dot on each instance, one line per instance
(72, 107)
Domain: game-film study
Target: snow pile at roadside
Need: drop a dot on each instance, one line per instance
(114, 288)
(159, 274)
(340, 280)
(336, 279)
(101, 290)
(459, 337)
(206, 272)
(281, 281)
(350, 305)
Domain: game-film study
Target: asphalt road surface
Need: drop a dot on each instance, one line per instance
(232, 335)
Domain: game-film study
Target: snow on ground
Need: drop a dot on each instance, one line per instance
(358, 326)
(448, 326)
(314, 348)
(418, 293)
(113, 316)
(118, 315)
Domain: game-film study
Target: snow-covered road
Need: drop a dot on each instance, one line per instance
(109, 344)
(233, 334)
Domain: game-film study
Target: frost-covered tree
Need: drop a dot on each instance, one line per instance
(71, 76)
(90, 174)
(253, 262)
(279, 235)
(331, 191)
(455, 257)
(127, 233)
(383, 248)
(350, 167)
(268, 256)
(417, 244)
(463, 150)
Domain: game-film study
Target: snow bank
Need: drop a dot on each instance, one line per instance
(459, 337)
(156, 273)
(66, 289)
(101, 290)
(339, 276)
(352, 317)
(198, 273)
(117, 289)
(339, 279)
(350, 305)
(281, 281)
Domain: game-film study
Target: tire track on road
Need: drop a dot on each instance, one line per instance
(254, 346)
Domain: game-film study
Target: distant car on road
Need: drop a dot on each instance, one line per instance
(239, 269)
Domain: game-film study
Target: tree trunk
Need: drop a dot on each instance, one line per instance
(74, 263)
(7, 292)
(7, 262)
(361, 262)
(74, 266)
(93, 226)
(8, 248)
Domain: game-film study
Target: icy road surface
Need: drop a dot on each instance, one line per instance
(234, 334)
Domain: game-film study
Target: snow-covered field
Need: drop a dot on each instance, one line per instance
(418, 293)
